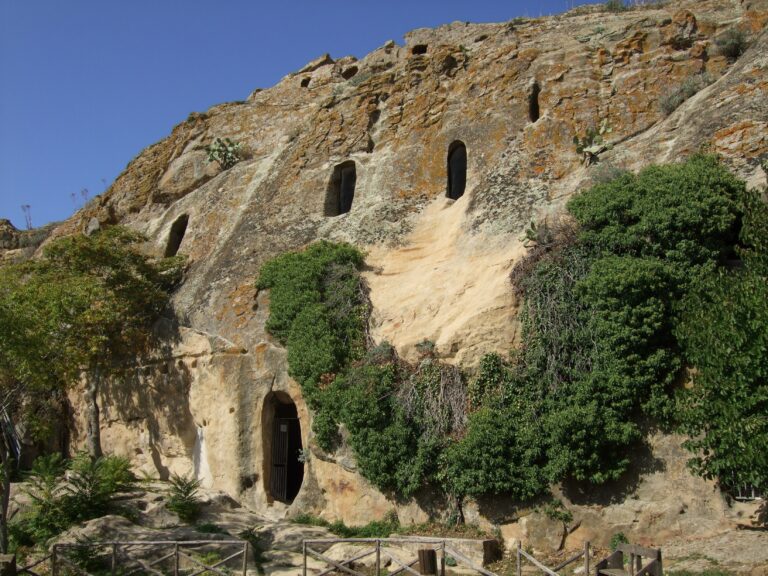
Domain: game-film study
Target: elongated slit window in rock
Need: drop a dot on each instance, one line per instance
(457, 170)
(341, 189)
(533, 102)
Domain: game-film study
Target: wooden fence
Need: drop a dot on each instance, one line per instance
(164, 558)
(522, 554)
(381, 549)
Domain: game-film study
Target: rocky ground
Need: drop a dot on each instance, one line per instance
(276, 545)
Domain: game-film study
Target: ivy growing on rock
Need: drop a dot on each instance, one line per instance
(319, 310)
(611, 318)
(637, 285)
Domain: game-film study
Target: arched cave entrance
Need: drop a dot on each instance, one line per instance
(341, 189)
(178, 229)
(281, 432)
(457, 170)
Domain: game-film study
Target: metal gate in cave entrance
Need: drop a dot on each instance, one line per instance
(287, 470)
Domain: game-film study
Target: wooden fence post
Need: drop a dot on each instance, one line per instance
(519, 567)
(378, 557)
(176, 559)
(245, 558)
(54, 568)
(586, 558)
(304, 550)
(114, 557)
(442, 560)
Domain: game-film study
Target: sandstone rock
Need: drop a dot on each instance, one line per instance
(437, 268)
(323, 60)
(681, 32)
(9, 235)
(546, 535)
(743, 552)
(93, 226)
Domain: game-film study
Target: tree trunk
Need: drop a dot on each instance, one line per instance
(459, 502)
(93, 430)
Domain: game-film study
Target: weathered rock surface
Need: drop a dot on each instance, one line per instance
(9, 235)
(658, 501)
(740, 552)
(515, 94)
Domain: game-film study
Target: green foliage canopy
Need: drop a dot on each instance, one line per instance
(600, 318)
(85, 305)
(724, 333)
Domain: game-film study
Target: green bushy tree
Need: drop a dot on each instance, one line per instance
(724, 333)
(81, 309)
(75, 313)
(686, 214)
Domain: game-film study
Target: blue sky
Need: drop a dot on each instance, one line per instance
(85, 85)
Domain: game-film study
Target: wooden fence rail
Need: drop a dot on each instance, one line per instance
(381, 547)
(521, 554)
(123, 559)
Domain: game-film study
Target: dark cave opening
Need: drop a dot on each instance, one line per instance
(283, 467)
(457, 170)
(341, 189)
(533, 102)
(176, 235)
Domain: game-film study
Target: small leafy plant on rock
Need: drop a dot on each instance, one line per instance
(183, 497)
(615, 6)
(224, 151)
(593, 143)
(671, 100)
(732, 44)
(618, 538)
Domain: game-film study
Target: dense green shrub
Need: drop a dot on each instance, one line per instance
(724, 332)
(389, 449)
(317, 308)
(611, 317)
(686, 214)
(57, 503)
(501, 453)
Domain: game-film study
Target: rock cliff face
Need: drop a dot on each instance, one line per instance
(514, 94)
